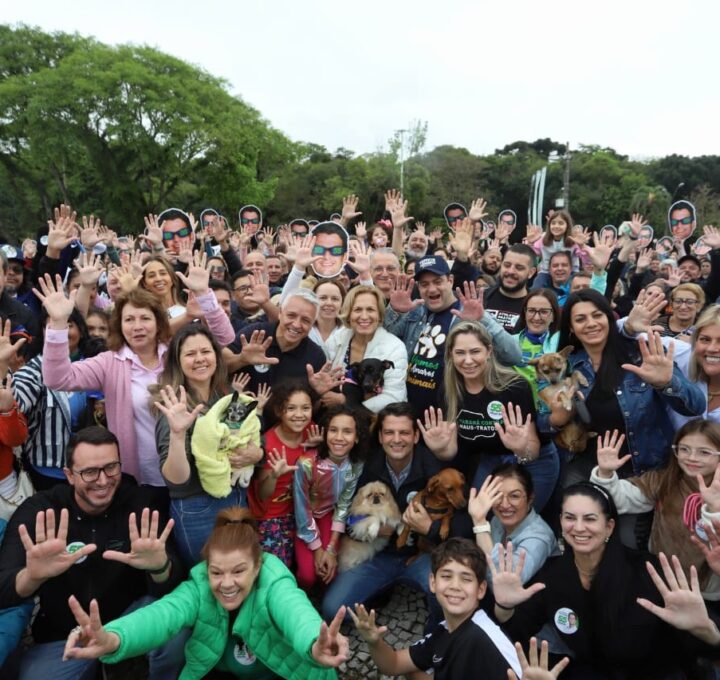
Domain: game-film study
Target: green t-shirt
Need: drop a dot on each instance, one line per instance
(239, 661)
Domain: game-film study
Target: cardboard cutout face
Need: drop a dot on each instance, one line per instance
(177, 234)
(609, 232)
(664, 245)
(646, 236)
(508, 218)
(682, 219)
(331, 249)
(454, 213)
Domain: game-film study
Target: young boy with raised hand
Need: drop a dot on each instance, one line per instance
(467, 643)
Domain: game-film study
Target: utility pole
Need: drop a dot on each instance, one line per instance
(566, 178)
(402, 161)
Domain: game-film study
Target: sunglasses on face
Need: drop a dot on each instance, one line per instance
(298, 233)
(458, 218)
(180, 233)
(510, 223)
(333, 250)
(249, 220)
(684, 220)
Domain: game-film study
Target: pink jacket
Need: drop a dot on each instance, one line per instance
(111, 373)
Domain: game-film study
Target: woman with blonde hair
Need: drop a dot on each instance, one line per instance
(247, 615)
(489, 416)
(363, 337)
(686, 301)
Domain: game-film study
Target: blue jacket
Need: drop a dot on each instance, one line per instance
(648, 430)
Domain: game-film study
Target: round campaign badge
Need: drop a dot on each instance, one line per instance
(567, 621)
(73, 547)
(261, 368)
(243, 655)
(410, 496)
(495, 410)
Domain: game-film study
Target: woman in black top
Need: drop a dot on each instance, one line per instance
(604, 603)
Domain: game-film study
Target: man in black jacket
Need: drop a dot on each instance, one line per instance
(405, 467)
(94, 539)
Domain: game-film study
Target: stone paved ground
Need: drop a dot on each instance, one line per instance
(405, 617)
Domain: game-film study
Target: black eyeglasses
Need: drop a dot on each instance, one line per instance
(93, 474)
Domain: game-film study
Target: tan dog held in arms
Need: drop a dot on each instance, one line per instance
(551, 367)
(443, 494)
(372, 507)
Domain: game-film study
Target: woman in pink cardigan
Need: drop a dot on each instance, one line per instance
(139, 333)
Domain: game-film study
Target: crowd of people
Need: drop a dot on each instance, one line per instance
(197, 421)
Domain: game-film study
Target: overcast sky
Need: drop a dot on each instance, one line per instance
(639, 76)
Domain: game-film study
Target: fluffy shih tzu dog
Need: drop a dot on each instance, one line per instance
(372, 507)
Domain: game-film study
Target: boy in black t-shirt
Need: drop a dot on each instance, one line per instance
(467, 643)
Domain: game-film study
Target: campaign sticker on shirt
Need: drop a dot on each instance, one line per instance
(243, 655)
(73, 547)
(494, 410)
(567, 621)
(261, 368)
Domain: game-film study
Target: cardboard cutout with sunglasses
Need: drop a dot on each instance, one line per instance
(177, 234)
(251, 218)
(682, 219)
(331, 249)
(454, 213)
(508, 218)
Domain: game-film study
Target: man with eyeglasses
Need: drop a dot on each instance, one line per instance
(384, 269)
(245, 308)
(95, 538)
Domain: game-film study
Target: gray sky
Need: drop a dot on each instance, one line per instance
(639, 76)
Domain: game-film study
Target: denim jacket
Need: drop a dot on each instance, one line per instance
(648, 430)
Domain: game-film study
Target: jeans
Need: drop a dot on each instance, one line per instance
(376, 575)
(195, 518)
(544, 472)
(44, 660)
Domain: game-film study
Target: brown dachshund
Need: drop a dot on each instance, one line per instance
(443, 494)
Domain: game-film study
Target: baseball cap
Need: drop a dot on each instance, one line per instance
(435, 264)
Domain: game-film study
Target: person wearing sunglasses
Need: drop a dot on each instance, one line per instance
(330, 249)
(681, 219)
(251, 219)
(96, 538)
(177, 233)
(454, 214)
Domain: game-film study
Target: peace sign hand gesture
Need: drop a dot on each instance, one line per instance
(657, 366)
(513, 432)
(608, 451)
(331, 647)
(711, 494)
(147, 549)
(89, 640)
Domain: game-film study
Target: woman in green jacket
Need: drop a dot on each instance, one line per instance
(248, 617)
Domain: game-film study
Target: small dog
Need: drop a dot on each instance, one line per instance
(236, 414)
(368, 379)
(372, 507)
(551, 368)
(443, 494)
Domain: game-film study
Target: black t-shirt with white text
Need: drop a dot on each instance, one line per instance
(506, 310)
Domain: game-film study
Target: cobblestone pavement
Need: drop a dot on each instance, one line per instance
(405, 617)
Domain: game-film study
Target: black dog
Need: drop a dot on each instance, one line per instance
(368, 378)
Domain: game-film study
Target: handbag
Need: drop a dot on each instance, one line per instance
(23, 490)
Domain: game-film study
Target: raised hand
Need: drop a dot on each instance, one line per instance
(264, 391)
(8, 350)
(278, 463)
(533, 233)
(482, 501)
(175, 409)
(507, 584)
(349, 209)
(581, 238)
(52, 296)
(711, 549)
(365, 624)
(513, 432)
(253, 350)
(657, 366)
(398, 211)
(477, 210)
(436, 235)
(711, 237)
(438, 434)
(471, 299)
(711, 494)
(637, 222)
(61, 233)
(684, 606)
(197, 278)
(608, 453)
(89, 269)
(240, 382)
(331, 647)
(259, 290)
(153, 232)
(48, 556)
(326, 379)
(461, 238)
(648, 306)
(304, 252)
(360, 258)
(537, 669)
(221, 233)
(643, 259)
(314, 437)
(147, 548)
(90, 235)
(401, 297)
(89, 640)
(600, 254)
(360, 231)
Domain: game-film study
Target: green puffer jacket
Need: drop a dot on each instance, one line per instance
(276, 621)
